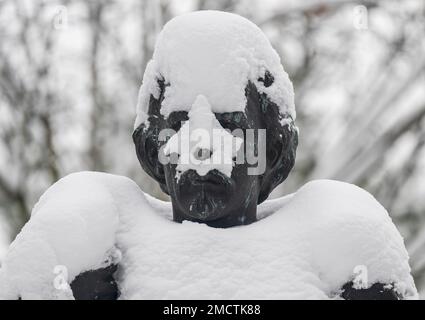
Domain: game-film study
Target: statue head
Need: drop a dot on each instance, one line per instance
(215, 118)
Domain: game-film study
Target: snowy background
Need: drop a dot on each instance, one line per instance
(70, 72)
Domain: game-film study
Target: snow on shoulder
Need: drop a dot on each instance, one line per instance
(214, 54)
(73, 225)
(349, 232)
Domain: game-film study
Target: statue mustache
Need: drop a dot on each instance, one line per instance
(213, 177)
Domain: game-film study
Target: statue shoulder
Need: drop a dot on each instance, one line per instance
(329, 200)
(348, 230)
(338, 201)
(85, 187)
(347, 218)
(72, 229)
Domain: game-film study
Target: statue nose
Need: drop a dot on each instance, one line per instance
(202, 154)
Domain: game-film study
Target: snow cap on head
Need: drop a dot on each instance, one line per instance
(214, 54)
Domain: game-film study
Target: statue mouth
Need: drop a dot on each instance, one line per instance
(213, 180)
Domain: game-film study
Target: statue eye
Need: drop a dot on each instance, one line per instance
(176, 125)
(267, 80)
(176, 119)
(228, 125)
(231, 120)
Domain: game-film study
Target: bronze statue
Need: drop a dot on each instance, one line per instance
(220, 198)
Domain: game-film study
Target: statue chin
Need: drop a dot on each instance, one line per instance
(204, 198)
(205, 208)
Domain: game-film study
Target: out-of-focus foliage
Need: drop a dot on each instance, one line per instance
(70, 71)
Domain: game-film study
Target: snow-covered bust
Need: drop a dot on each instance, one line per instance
(95, 235)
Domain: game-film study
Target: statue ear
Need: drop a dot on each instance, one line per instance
(147, 147)
(282, 142)
(146, 139)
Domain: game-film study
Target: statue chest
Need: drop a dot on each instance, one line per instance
(166, 260)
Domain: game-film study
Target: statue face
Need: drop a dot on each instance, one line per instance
(215, 197)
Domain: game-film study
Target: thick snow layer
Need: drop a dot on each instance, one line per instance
(305, 246)
(203, 132)
(73, 224)
(214, 54)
